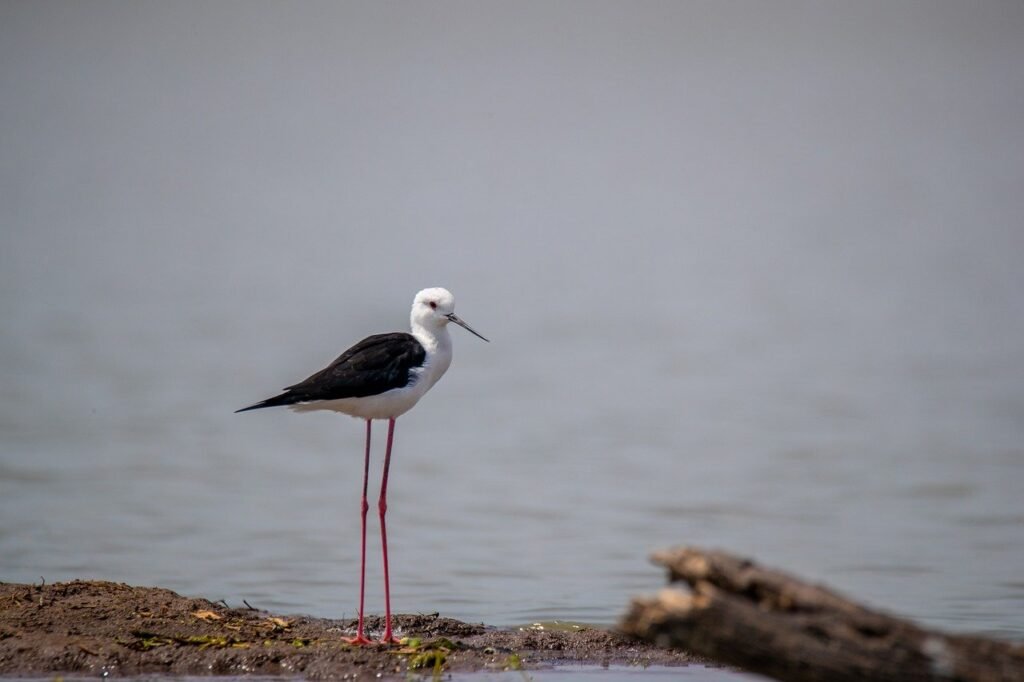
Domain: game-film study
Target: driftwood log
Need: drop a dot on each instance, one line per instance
(768, 622)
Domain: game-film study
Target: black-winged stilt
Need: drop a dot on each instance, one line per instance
(381, 377)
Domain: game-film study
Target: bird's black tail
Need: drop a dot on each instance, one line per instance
(277, 401)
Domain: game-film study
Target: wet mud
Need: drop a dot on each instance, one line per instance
(95, 628)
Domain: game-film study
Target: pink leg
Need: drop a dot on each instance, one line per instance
(382, 508)
(360, 638)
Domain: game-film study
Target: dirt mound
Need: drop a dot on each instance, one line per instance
(100, 627)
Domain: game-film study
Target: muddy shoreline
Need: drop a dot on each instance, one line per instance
(111, 629)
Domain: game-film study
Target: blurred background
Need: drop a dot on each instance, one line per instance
(753, 275)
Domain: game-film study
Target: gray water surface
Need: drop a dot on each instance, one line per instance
(753, 277)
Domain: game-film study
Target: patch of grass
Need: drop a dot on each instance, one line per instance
(427, 655)
(444, 643)
(213, 642)
(432, 658)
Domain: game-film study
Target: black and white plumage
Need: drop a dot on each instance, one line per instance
(381, 377)
(378, 363)
(384, 375)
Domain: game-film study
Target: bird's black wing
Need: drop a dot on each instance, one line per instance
(376, 364)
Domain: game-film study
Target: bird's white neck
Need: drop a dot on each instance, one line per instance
(438, 345)
(434, 339)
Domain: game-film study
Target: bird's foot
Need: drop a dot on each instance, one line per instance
(358, 640)
(390, 639)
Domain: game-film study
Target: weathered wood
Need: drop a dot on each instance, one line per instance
(769, 622)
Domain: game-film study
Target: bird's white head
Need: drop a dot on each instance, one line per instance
(434, 308)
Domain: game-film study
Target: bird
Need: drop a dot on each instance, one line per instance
(381, 377)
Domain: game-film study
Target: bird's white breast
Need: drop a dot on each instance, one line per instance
(396, 402)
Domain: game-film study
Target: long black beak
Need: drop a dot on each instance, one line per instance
(452, 317)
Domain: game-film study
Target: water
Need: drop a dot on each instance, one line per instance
(587, 673)
(761, 294)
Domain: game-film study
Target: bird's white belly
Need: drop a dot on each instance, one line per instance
(386, 405)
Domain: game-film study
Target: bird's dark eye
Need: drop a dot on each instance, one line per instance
(433, 305)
